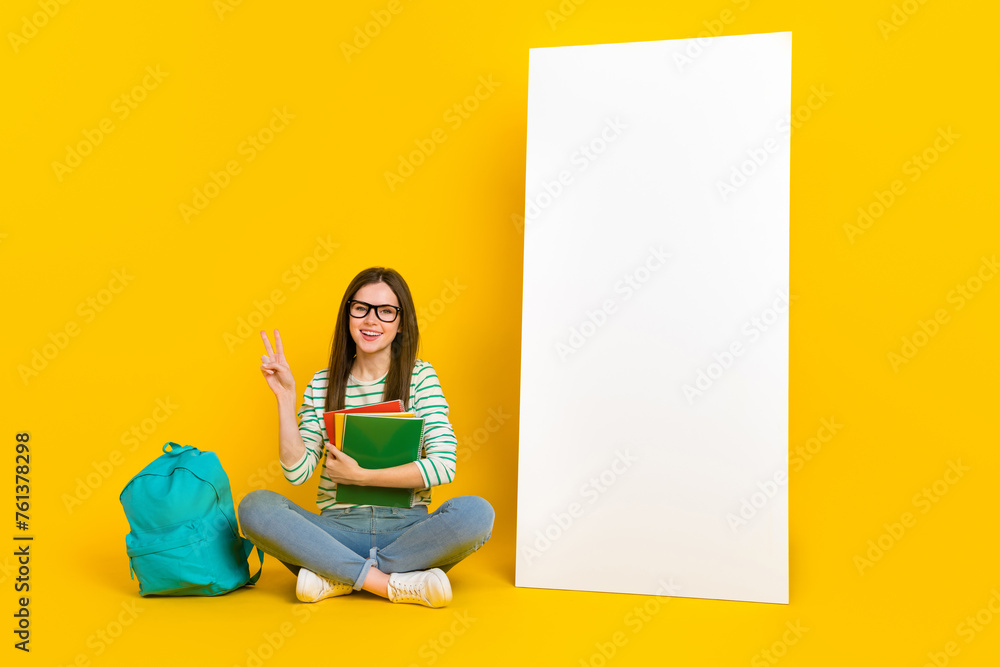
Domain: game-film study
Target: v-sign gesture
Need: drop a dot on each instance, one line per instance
(275, 368)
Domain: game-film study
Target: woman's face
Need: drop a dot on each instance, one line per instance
(376, 294)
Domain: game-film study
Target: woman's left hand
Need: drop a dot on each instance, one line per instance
(343, 469)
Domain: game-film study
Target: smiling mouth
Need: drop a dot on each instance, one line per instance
(370, 334)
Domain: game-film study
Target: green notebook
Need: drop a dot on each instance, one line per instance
(380, 442)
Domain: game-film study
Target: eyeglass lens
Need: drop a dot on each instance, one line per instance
(385, 312)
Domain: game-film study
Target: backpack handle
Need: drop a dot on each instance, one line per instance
(177, 449)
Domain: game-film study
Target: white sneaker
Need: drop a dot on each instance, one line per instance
(311, 587)
(430, 588)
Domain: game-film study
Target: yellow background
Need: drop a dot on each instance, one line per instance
(448, 229)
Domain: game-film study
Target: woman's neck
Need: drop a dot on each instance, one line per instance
(370, 368)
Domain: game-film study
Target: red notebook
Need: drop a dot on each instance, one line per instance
(387, 406)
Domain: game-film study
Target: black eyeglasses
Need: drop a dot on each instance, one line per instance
(385, 312)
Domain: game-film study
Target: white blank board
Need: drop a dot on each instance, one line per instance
(654, 349)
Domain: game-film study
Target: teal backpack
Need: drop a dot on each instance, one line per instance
(184, 538)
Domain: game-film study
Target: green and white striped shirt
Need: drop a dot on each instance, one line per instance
(437, 456)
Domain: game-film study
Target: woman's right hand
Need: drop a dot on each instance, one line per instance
(275, 368)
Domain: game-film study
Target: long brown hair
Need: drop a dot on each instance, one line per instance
(403, 348)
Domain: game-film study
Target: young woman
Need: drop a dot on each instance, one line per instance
(401, 554)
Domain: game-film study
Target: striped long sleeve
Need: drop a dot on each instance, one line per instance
(313, 433)
(440, 444)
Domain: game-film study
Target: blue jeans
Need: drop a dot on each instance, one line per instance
(342, 544)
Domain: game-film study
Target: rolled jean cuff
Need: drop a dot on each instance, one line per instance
(364, 569)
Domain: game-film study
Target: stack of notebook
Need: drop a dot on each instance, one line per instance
(376, 436)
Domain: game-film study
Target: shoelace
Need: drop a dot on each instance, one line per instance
(411, 590)
(328, 585)
(339, 585)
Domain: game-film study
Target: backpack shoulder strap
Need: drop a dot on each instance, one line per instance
(248, 548)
